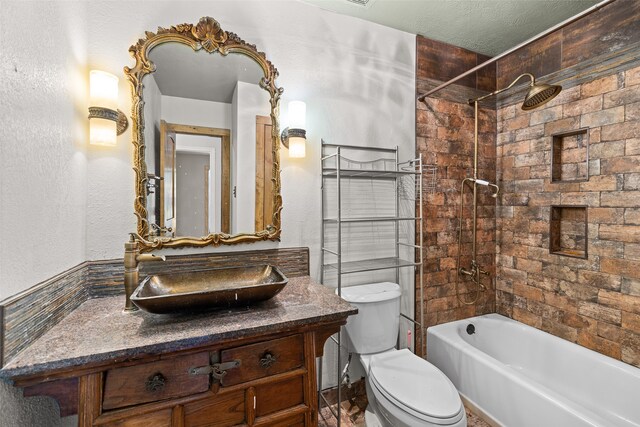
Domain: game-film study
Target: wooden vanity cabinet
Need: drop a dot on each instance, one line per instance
(141, 370)
(273, 384)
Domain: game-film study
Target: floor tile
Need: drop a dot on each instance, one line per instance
(352, 415)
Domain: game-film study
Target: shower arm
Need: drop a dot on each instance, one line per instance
(531, 76)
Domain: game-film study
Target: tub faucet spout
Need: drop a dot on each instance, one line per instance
(474, 272)
(481, 271)
(466, 272)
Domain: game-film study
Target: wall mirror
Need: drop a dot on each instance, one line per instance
(206, 138)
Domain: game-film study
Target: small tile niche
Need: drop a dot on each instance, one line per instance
(568, 231)
(570, 156)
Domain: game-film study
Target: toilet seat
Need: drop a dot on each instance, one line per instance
(415, 386)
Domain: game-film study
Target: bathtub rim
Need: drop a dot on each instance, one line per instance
(618, 364)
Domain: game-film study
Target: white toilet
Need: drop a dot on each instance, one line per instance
(403, 389)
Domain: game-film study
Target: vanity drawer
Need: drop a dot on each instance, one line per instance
(274, 397)
(156, 419)
(264, 359)
(150, 382)
(217, 411)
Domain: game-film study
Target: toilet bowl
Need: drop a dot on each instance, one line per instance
(402, 388)
(409, 391)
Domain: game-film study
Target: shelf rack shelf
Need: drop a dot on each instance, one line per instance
(372, 265)
(407, 178)
(365, 174)
(371, 219)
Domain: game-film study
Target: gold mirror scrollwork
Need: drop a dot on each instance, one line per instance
(207, 35)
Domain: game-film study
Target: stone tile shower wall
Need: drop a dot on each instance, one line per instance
(594, 302)
(592, 298)
(445, 138)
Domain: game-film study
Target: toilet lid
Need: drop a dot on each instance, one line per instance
(410, 381)
(373, 292)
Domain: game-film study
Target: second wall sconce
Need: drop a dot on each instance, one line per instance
(106, 122)
(294, 137)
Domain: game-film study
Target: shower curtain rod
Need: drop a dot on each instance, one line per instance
(548, 31)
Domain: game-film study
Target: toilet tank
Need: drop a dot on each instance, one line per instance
(375, 327)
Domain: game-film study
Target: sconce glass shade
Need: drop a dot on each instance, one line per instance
(103, 132)
(103, 94)
(103, 90)
(294, 136)
(297, 147)
(297, 112)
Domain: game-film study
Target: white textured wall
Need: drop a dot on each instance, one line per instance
(32, 412)
(357, 79)
(43, 165)
(43, 100)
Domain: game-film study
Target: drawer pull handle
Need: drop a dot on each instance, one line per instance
(267, 360)
(217, 370)
(155, 382)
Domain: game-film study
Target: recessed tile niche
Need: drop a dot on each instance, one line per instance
(568, 231)
(570, 156)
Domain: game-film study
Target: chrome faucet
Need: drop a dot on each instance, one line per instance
(132, 259)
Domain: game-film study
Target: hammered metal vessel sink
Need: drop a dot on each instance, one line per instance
(206, 289)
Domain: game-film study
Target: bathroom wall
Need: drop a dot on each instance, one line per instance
(356, 77)
(43, 162)
(594, 302)
(444, 131)
(350, 77)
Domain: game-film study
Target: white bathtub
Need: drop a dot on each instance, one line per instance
(523, 377)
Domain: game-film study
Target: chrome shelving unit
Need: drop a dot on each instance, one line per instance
(407, 178)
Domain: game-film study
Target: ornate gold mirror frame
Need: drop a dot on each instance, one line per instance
(207, 35)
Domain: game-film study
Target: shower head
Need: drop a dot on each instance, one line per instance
(486, 184)
(496, 190)
(539, 94)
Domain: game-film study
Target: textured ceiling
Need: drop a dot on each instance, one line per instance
(485, 26)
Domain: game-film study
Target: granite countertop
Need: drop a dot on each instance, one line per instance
(98, 331)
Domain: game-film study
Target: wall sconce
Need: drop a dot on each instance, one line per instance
(294, 137)
(106, 122)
